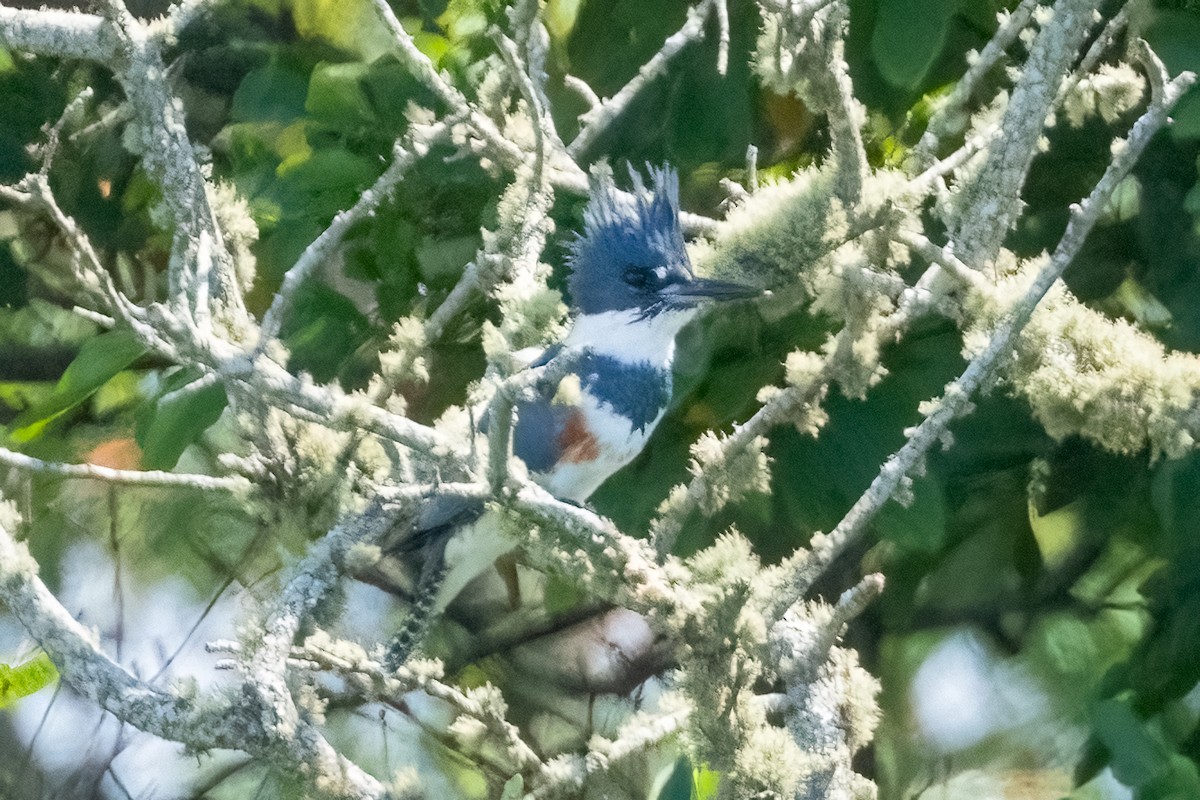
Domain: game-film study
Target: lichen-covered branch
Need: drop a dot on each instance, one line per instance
(837, 241)
(123, 477)
(991, 196)
(600, 118)
(805, 567)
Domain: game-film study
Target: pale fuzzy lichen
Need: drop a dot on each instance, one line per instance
(780, 234)
(730, 473)
(531, 313)
(1110, 91)
(305, 466)
(237, 227)
(10, 517)
(1087, 375)
(729, 560)
(801, 55)
(407, 784)
(311, 703)
(403, 359)
(984, 124)
(768, 764)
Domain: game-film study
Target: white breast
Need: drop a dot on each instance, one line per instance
(617, 443)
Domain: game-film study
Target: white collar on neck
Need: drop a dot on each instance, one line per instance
(626, 336)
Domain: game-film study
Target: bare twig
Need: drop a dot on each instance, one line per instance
(993, 196)
(124, 477)
(405, 154)
(597, 121)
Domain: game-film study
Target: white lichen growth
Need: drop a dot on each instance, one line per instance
(10, 517)
(1085, 374)
(729, 475)
(780, 234)
(1109, 92)
(403, 359)
(238, 229)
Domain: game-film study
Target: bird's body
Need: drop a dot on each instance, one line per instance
(600, 417)
(631, 289)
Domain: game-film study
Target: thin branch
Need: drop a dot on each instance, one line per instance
(982, 140)
(460, 107)
(405, 154)
(169, 157)
(330, 406)
(570, 774)
(314, 577)
(791, 403)
(992, 199)
(722, 13)
(34, 192)
(581, 88)
(951, 116)
(55, 131)
(942, 256)
(91, 673)
(62, 34)
(846, 115)
(123, 477)
(597, 121)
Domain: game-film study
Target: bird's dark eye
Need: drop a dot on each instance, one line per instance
(637, 278)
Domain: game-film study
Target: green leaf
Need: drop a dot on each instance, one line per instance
(1058, 533)
(176, 420)
(274, 92)
(908, 37)
(705, 783)
(336, 96)
(1138, 758)
(98, 361)
(25, 679)
(325, 330)
(1180, 782)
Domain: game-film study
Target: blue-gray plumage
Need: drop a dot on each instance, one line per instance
(631, 289)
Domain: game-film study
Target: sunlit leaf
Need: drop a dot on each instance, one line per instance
(1058, 533)
(336, 96)
(98, 361)
(25, 679)
(273, 92)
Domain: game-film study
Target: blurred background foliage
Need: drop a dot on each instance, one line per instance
(1053, 589)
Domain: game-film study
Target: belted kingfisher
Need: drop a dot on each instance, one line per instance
(631, 289)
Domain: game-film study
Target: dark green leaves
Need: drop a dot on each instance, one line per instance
(1138, 757)
(908, 37)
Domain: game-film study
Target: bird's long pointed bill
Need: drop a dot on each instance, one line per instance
(709, 289)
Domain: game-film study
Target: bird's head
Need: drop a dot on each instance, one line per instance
(631, 257)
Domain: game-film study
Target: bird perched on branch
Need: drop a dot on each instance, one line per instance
(631, 289)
